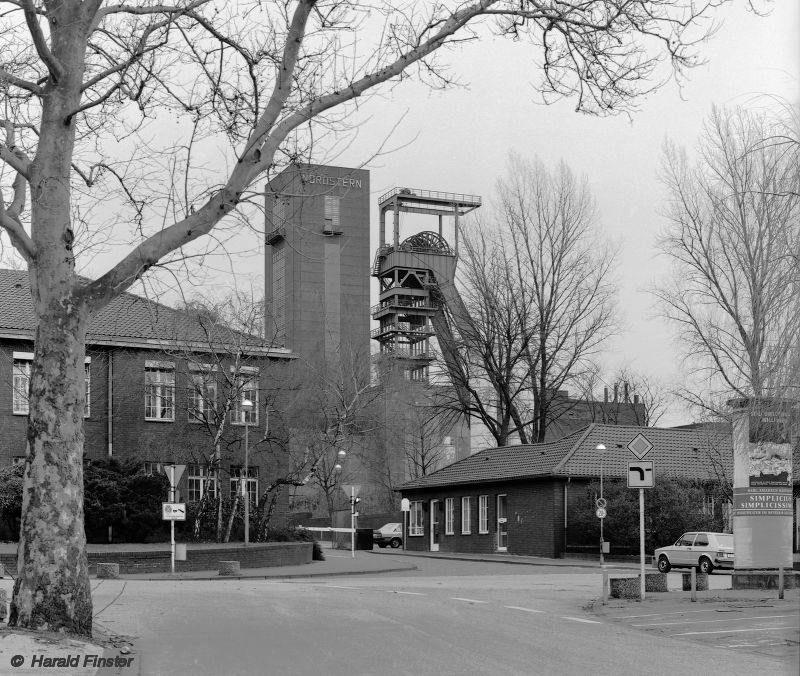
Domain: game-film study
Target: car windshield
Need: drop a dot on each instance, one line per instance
(725, 540)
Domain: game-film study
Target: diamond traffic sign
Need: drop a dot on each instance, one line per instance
(641, 474)
(640, 446)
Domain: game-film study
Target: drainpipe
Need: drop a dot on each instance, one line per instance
(110, 423)
(566, 494)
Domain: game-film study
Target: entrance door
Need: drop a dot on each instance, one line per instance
(434, 525)
(502, 524)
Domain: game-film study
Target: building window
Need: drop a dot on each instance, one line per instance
(252, 482)
(201, 394)
(201, 481)
(279, 291)
(332, 213)
(280, 212)
(483, 514)
(415, 519)
(247, 388)
(159, 391)
(87, 378)
(466, 524)
(152, 467)
(449, 515)
(21, 384)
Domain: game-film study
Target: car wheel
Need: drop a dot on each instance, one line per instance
(705, 565)
(663, 564)
(396, 542)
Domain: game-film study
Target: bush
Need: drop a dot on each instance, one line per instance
(672, 507)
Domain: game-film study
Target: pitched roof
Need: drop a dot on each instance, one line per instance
(127, 320)
(696, 453)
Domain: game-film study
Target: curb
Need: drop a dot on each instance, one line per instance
(262, 576)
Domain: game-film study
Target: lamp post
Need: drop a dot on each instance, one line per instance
(601, 507)
(246, 406)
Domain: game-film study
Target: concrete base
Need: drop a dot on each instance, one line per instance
(229, 568)
(701, 581)
(764, 579)
(630, 587)
(108, 571)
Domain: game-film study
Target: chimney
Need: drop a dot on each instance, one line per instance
(627, 396)
(606, 394)
(616, 392)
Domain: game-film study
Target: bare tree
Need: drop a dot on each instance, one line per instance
(563, 271)
(114, 103)
(734, 228)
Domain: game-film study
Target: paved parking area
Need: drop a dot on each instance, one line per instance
(754, 621)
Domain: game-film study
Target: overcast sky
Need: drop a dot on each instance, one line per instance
(458, 141)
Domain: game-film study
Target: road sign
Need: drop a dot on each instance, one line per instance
(173, 511)
(405, 505)
(174, 473)
(600, 502)
(601, 513)
(640, 446)
(641, 474)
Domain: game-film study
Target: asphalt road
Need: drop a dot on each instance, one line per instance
(447, 617)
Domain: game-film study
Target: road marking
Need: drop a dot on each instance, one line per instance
(677, 612)
(730, 631)
(458, 598)
(392, 591)
(727, 619)
(336, 586)
(580, 619)
(527, 610)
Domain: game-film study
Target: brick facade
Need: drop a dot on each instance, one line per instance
(534, 512)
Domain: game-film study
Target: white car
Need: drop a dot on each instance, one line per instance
(390, 534)
(702, 550)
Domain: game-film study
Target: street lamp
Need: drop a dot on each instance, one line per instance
(246, 407)
(601, 502)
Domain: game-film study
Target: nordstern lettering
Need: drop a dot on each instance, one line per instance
(342, 181)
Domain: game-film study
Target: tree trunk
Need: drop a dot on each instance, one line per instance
(232, 516)
(52, 589)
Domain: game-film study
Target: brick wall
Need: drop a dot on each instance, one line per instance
(535, 513)
(262, 555)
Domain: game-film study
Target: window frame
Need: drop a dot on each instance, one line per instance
(331, 214)
(163, 389)
(483, 514)
(246, 375)
(416, 519)
(201, 393)
(252, 482)
(466, 515)
(449, 516)
(201, 479)
(21, 369)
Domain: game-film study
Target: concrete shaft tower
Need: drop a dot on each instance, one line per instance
(417, 278)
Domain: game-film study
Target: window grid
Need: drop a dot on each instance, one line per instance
(21, 384)
(483, 514)
(466, 525)
(247, 386)
(332, 213)
(416, 519)
(87, 377)
(252, 482)
(449, 515)
(279, 291)
(201, 480)
(202, 396)
(159, 400)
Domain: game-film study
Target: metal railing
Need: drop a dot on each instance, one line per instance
(400, 328)
(453, 197)
(422, 304)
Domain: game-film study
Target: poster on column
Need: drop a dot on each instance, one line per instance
(769, 455)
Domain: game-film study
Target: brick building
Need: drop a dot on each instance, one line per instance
(520, 499)
(155, 380)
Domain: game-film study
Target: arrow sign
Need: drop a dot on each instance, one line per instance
(641, 474)
(640, 446)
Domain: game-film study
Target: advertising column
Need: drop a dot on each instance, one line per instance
(762, 481)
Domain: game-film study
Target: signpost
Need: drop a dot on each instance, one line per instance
(405, 507)
(173, 511)
(354, 488)
(641, 475)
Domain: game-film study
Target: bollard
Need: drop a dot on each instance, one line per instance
(605, 586)
(694, 584)
(780, 582)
